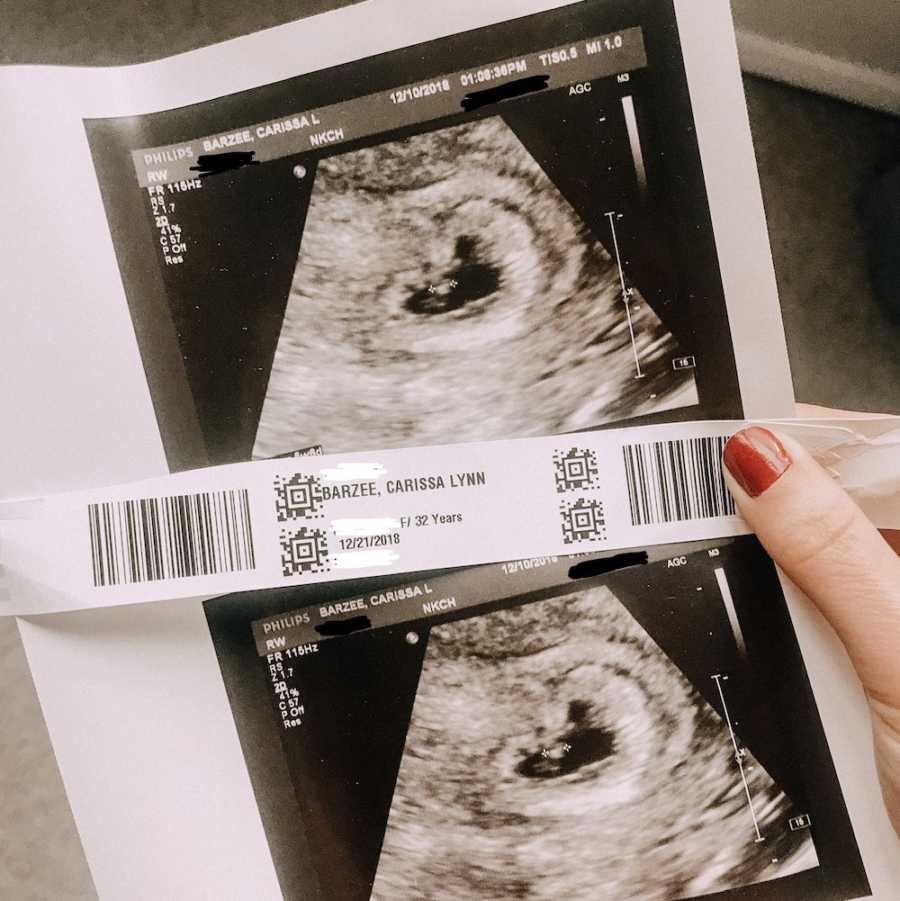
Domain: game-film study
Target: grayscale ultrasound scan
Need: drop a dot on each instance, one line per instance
(555, 752)
(446, 291)
(647, 733)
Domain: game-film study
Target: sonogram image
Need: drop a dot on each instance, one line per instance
(446, 291)
(556, 752)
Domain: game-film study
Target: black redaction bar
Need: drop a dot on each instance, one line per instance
(580, 61)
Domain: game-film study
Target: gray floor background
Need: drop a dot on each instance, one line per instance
(816, 157)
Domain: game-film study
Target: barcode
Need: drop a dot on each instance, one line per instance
(155, 538)
(673, 481)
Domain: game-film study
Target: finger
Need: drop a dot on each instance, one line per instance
(825, 544)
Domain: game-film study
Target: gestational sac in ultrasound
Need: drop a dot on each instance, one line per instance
(556, 752)
(446, 291)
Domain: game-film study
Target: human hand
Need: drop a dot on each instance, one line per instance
(850, 571)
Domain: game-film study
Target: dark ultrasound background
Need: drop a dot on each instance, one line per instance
(556, 752)
(523, 333)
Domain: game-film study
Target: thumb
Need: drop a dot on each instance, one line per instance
(822, 540)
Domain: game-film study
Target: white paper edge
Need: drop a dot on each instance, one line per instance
(736, 206)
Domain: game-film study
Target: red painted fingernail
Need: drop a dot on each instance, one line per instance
(756, 459)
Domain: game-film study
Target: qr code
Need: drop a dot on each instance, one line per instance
(583, 521)
(576, 468)
(298, 497)
(304, 551)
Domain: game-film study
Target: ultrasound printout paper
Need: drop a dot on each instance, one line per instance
(392, 224)
(647, 734)
(503, 235)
